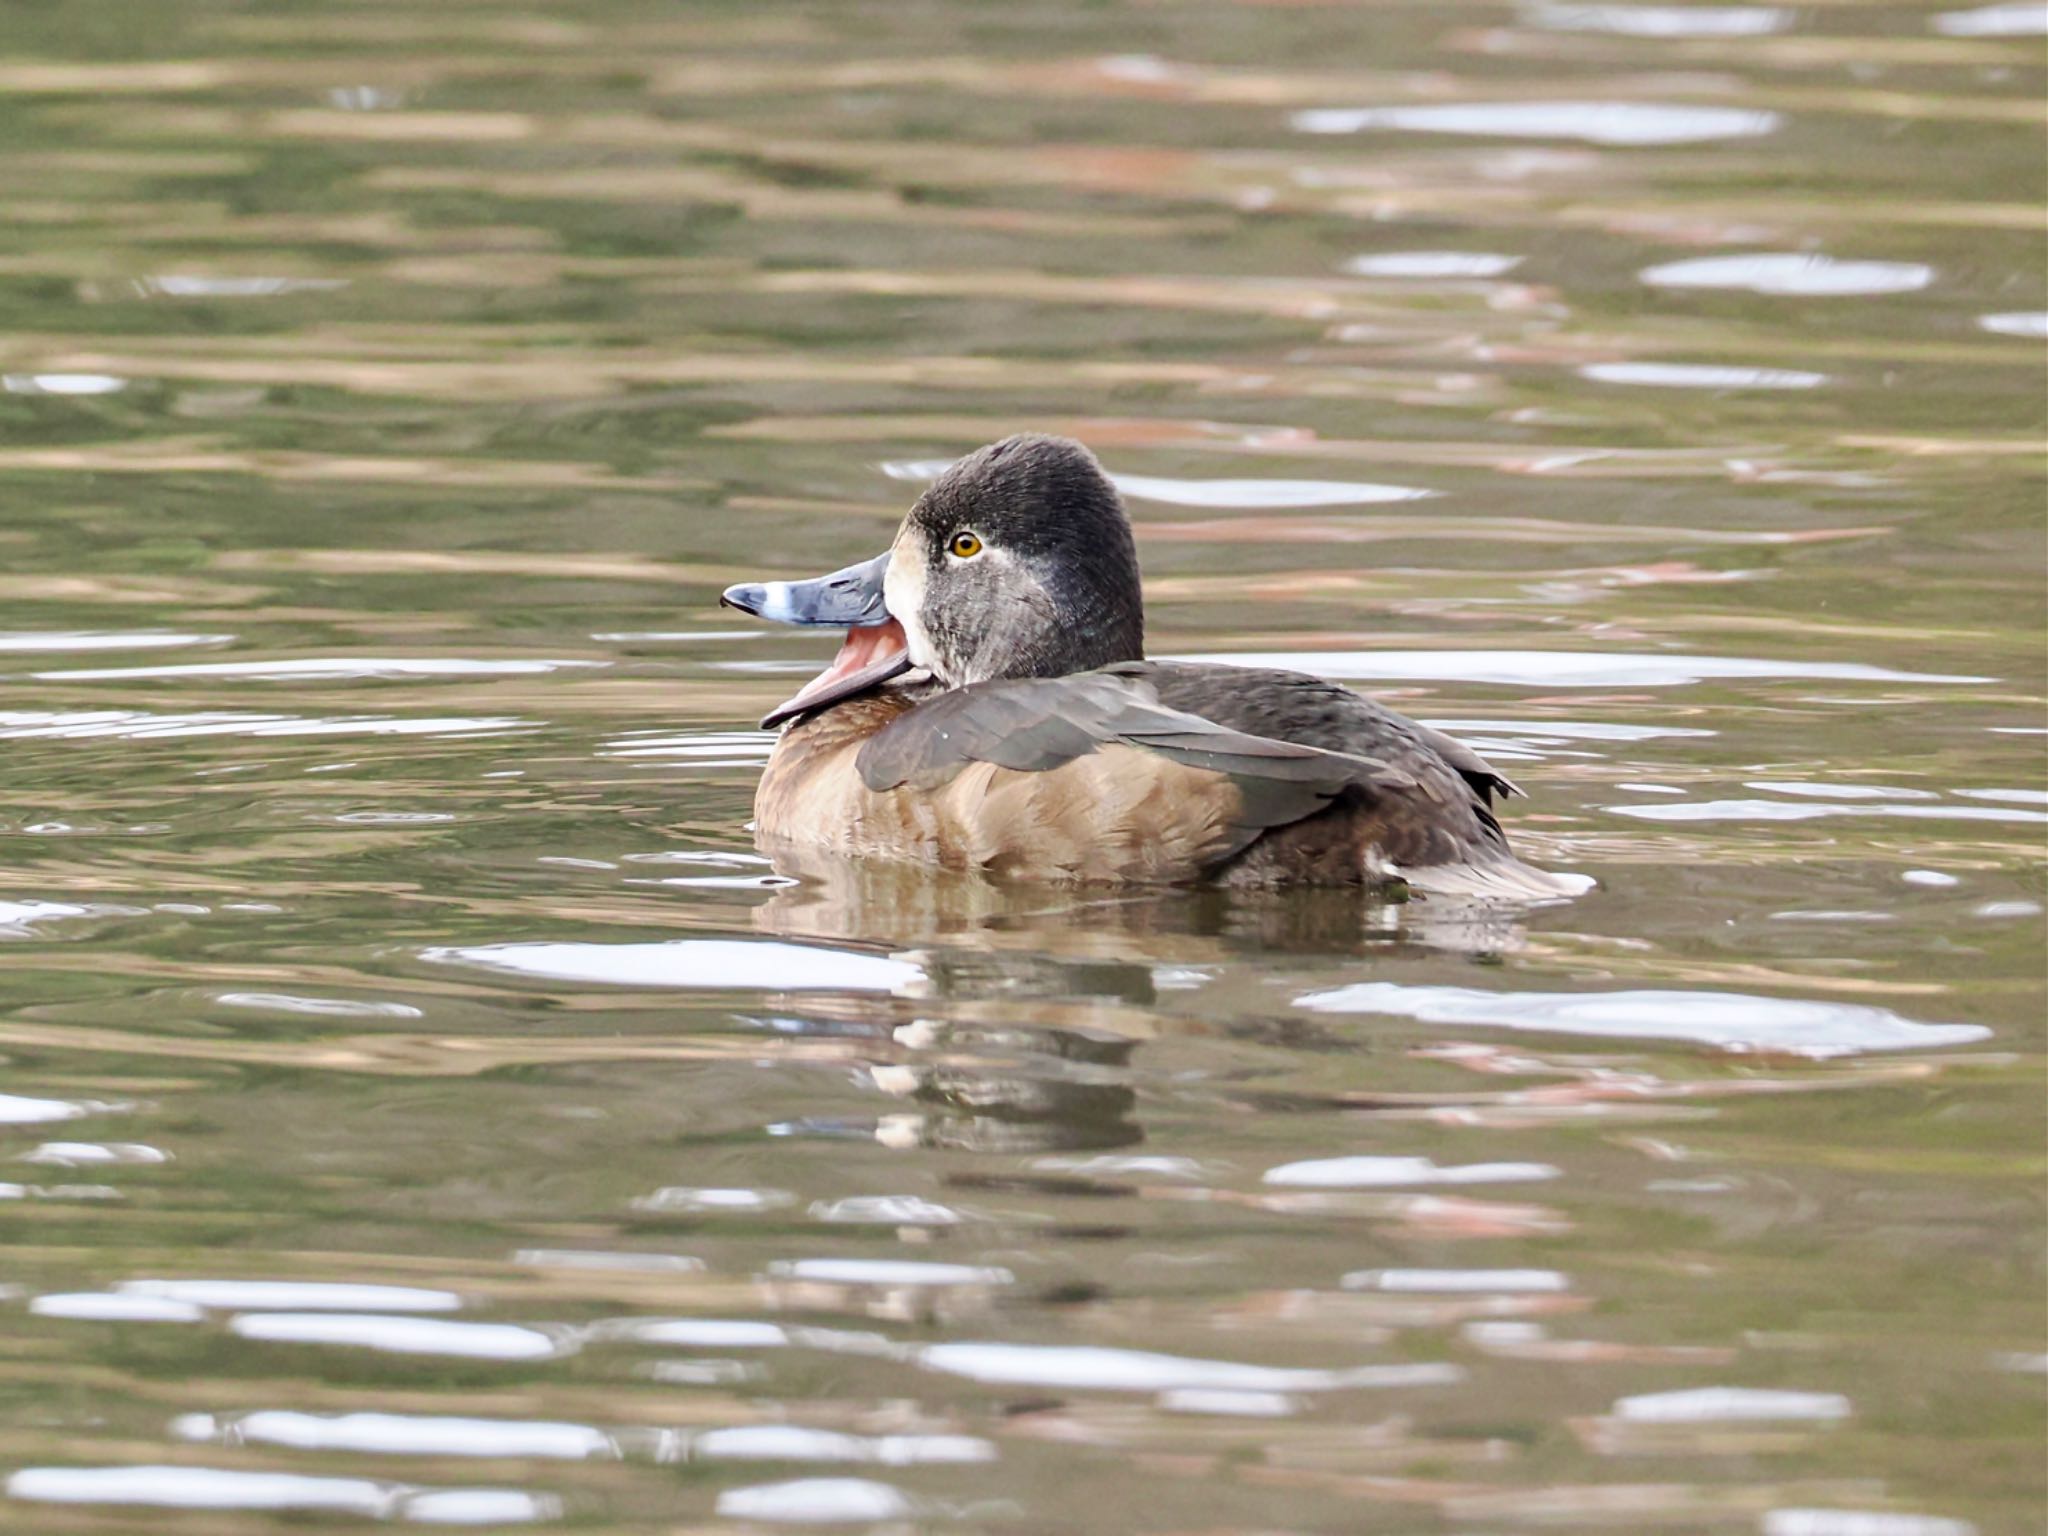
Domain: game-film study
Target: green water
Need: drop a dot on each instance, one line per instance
(389, 390)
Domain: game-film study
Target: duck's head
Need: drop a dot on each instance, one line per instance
(1016, 562)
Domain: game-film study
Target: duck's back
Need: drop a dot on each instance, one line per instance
(1149, 772)
(1442, 834)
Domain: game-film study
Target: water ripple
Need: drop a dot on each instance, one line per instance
(140, 725)
(311, 669)
(1612, 123)
(1432, 264)
(1700, 376)
(1089, 1368)
(2018, 18)
(1730, 1020)
(1658, 21)
(223, 1489)
(400, 1335)
(103, 640)
(1568, 669)
(1247, 494)
(1791, 273)
(719, 963)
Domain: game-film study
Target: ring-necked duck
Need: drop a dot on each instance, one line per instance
(992, 709)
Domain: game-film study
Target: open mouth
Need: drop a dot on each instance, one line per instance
(869, 656)
(875, 649)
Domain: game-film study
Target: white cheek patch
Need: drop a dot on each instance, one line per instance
(903, 586)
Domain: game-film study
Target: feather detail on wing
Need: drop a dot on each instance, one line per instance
(1034, 724)
(1040, 725)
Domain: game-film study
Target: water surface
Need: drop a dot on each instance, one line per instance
(418, 1101)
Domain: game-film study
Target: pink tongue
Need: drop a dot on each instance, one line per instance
(869, 656)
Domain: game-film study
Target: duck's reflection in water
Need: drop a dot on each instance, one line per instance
(1131, 931)
(985, 1089)
(1032, 1001)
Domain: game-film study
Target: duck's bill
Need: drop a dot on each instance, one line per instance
(875, 648)
(850, 598)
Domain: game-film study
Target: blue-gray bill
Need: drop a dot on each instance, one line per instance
(850, 599)
(875, 648)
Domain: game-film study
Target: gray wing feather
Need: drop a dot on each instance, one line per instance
(1032, 725)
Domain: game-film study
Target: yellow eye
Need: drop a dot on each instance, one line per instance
(963, 545)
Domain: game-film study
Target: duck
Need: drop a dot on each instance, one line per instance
(992, 709)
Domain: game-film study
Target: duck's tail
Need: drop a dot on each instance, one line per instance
(1505, 878)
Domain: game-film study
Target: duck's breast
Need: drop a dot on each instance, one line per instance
(1117, 814)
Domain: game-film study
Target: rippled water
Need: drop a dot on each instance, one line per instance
(420, 1103)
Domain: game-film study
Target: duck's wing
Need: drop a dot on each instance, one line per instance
(1419, 800)
(1297, 707)
(1039, 725)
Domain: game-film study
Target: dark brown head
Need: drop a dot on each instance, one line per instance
(1018, 562)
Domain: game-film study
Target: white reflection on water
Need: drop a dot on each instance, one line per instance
(2031, 324)
(703, 749)
(1614, 123)
(109, 1307)
(1859, 1522)
(1249, 494)
(220, 1488)
(1813, 810)
(1431, 1281)
(685, 1197)
(399, 1434)
(296, 1295)
(1263, 493)
(1084, 1367)
(1734, 1021)
(1229, 1404)
(2008, 909)
(16, 917)
(199, 1488)
(700, 1332)
(1789, 273)
(1439, 264)
(477, 1506)
(792, 1442)
(84, 1154)
(138, 725)
(1156, 1165)
(401, 1335)
(817, 1501)
(700, 1372)
(609, 1260)
(183, 285)
(313, 669)
(1566, 669)
(1659, 20)
(62, 383)
(1544, 732)
(18, 1109)
(1700, 376)
(319, 1007)
(722, 963)
(103, 640)
(1716, 1405)
(1400, 1172)
(888, 1272)
(2021, 18)
(1811, 791)
(887, 1210)
(625, 636)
